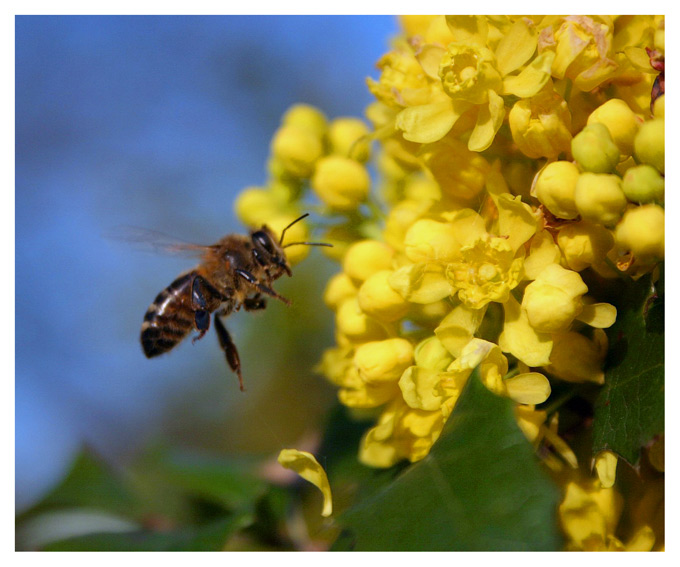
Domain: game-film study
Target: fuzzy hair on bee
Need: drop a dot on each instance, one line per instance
(237, 271)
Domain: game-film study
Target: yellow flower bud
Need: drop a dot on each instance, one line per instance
(599, 198)
(255, 205)
(641, 231)
(383, 361)
(576, 358)
(296, 150)
(341, 183)
(339, 288)
(306, 117)
(650, 144)
(584, 244)
(541, 125)
(555, 188)
(354, 324)
(621, 122)
(660, 107)
(365, 258)
(553, 299)
(341, 237)
(429, 240)
(348, 137)
(379, 300)
(594, 149)
(399, 220)
(643, 184)
(460, 173)
(431, 353)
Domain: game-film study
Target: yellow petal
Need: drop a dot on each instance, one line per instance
(419, 388)
(489, 120)
(532, 78)
(516, 220)
(468, 29)
(516, 47)
(599, 315)
(428, 123)
(421, 283)
(308, 467)
(429, 58)
(642, 540)
(530, 388)
(605, 466)
(520, 339)
(542, 253)
(458, 327)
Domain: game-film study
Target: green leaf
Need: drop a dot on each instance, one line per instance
(480, 488)
(92, 484)
(224, 482)
(208, 537)
(629, 411)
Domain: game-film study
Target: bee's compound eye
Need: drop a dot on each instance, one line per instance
(262, 238)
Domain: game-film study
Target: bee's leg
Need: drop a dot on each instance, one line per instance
(202, 293)
(229, 349)
(251, 279)
(255, 303)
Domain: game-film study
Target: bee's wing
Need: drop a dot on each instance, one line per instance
(154, 241)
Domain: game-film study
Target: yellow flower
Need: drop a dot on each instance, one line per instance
(583, 49)
(487, 271)
(584, 244)
(553, 300)
(472, 78)
(576, 358)
(309, 468)
(541, 125)
(297, 149)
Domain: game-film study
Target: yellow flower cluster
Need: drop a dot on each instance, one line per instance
(515, 152)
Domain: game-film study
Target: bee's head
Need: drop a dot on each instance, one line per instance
(269, 253)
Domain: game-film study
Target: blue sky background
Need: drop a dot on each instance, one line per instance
(156, 122)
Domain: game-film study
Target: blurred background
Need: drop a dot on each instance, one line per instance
(159, 122)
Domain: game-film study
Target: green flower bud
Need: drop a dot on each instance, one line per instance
(555, 188)
(594, 149)
(650, 144)
(641, 231)
(643, 184)
(599, 198)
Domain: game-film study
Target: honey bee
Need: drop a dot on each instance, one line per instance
(237, 271)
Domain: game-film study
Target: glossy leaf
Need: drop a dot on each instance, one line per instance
(629, 412)
(208, 537)
(480, 488)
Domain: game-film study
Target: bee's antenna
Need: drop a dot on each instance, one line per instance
(309, 244)
(291, 224)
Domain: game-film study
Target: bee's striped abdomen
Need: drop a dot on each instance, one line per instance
(169, 318)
